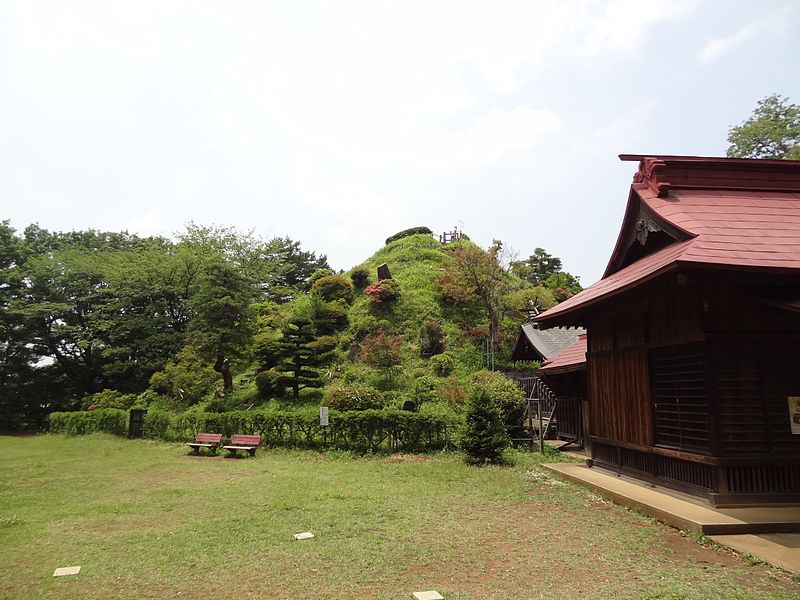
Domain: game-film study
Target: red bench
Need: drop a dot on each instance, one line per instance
(206, 440)
(243, 442)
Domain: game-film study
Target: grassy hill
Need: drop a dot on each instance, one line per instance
(416, 262)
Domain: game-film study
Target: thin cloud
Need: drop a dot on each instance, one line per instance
(770, 22)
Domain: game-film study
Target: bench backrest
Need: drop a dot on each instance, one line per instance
(246, 440)
(209, 438)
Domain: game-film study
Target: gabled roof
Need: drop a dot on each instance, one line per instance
(540, 344)
(699, 212)
(571, 358)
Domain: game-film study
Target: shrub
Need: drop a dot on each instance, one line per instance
(151, 399)
(354, 398)
(424, 389)
(484, 437)
(101, 420)
(384, 291)
(442, 364)
(360, 277)
(384, 351)
(406, 233)
(185, 379)
(333, 287)
(109, 399)
(217, 405)
(365, 325)
(452, 392)
(319, 274)
(506, 394)
(268, 384)
(329, 317)
(431, 339)
(158, 425)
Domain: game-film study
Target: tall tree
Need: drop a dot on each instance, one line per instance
(20, 401)
(772, 131)
(291, 269)
(222, 327)
(107, 310)
(473, 274)
(278, 268)
(537, 267)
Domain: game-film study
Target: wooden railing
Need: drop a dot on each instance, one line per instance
(544, 412)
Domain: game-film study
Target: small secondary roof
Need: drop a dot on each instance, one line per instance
(699, 212)
(540, 344)
(571, 358)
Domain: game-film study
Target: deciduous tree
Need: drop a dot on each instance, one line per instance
(384, 351)
(772, 131)
(473, 274)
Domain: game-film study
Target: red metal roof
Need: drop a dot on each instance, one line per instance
(751, 221)
(571, 358)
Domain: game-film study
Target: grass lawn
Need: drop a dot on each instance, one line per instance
(147, 520)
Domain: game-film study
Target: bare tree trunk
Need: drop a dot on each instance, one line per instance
(223, 367)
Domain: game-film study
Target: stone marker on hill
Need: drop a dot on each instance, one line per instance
(383, 272)
(306, 535)
(66, 571)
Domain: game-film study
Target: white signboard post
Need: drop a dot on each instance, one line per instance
(323, 421)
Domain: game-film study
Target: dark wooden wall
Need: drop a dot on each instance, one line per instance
(752, 362)
(752, 380)
(619, 405)
(688, 383)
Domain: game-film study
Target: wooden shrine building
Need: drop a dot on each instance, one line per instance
(693, 332)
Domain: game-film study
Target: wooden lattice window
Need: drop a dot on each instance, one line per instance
(680, 405)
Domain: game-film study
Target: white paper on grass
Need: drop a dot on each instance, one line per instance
(430, 595)
(306, 535)
(66, 571)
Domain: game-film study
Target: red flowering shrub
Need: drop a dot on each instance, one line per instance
(383, 292)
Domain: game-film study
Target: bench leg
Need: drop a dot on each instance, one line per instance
(252, 451)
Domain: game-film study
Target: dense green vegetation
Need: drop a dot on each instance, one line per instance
(218, 320)
(145, 519)
(772, 131)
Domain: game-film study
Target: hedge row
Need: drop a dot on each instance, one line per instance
(358, 431)
(108, 420)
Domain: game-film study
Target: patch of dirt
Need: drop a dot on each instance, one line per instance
(407, 458)
(571, 555)
(682, 550)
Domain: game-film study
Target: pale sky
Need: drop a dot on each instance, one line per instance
(341, 123)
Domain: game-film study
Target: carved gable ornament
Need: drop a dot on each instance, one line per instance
(645, 225)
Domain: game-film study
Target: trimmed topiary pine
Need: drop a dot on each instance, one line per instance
(485, 436)
(360, 277)
(333, 287)
(407, 232)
